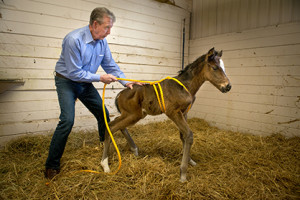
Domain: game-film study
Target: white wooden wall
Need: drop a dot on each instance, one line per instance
(264, 67)
(146, 42)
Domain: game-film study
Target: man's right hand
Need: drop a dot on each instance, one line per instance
(108, 78)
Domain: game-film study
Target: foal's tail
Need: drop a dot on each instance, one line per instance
(116, 101)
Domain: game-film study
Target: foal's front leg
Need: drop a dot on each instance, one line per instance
(186, 155)
(191, 161)
(187, 137)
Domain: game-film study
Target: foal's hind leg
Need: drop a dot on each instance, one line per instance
(120, 123)
(130, 141)
(107, 141)
(104, 160)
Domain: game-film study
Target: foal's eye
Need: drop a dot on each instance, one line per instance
(215, 68)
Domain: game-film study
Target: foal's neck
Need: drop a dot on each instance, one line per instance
(193, 84)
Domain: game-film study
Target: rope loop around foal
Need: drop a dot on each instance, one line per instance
(161, 100)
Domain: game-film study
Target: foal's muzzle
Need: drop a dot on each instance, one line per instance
(226, 88)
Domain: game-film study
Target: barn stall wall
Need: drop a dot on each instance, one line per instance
(261, 51)
(146, 42)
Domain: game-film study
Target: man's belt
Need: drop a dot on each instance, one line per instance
(61, 76)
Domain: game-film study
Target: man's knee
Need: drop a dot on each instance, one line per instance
(66, 122)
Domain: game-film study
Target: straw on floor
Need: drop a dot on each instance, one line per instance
(230, 165)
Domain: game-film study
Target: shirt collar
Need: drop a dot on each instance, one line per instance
(88, 36)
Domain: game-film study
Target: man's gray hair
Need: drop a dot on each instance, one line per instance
(99, 13)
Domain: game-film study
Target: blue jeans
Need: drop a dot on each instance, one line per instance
(68, 91)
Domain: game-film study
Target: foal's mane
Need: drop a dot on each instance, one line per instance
(189, 70)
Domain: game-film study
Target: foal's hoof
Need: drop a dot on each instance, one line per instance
(193, 163)
(104, 164)
(135, 151)
(183, 180)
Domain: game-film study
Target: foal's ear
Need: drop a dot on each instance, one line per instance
(211, 54)
(211, 51)
(220, 53)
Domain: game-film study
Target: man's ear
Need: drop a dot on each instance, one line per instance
(95, 24)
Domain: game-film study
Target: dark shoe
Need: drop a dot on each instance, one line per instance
(51, 173)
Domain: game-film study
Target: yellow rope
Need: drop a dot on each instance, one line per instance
(106, 123)
(157, 96)
(162, 98)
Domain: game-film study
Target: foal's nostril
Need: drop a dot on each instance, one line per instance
(228, 87)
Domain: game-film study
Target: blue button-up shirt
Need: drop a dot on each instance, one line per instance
(81, 57)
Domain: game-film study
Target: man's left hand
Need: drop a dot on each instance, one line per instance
(130, 84)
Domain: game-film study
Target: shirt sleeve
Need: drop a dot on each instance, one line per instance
(73, 61)
(110, 66)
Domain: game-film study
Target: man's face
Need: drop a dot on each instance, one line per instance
(100, 31)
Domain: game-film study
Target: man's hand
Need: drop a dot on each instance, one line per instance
(130, 84)
(107, 78)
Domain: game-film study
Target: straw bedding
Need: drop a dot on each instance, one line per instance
(230, 166)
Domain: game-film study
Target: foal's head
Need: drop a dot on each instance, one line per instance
(214, 71)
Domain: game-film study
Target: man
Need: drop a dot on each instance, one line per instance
(83, 51)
